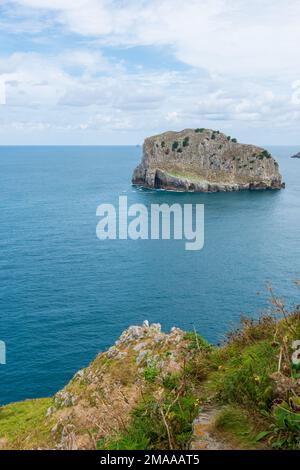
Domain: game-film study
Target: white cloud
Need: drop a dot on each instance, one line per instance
(296, 93)
(245, 70)
(106, 96)
(224, 36)
(173, 116)
(2, 91)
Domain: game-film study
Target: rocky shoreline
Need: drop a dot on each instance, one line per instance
(203, 160)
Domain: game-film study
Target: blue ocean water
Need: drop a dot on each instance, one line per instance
(65, 296)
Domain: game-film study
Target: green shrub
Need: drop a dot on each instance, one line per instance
(246, 377)
(151, 373)
(171, 381)
(186, 142)
(175, 145)
(137, 436)
(284, 433)
(264, 154)
(147, 430)
(197, 342)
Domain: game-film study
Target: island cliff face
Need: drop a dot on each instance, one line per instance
(296, 156)
(203, 160)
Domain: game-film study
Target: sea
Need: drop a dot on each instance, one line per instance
(65, 295)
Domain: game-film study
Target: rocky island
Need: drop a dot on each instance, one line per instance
(296, 156)
(203, 160)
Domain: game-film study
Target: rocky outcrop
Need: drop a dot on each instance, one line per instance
(296, 156)
(202, 160)
(156, 390)
(99, 400)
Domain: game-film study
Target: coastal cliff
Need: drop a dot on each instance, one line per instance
(203, 160)
(156, 390)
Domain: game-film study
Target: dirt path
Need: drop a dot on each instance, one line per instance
(203, 438)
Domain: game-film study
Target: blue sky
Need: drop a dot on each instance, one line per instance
(116, 71)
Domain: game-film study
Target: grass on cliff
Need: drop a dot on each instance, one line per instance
(240, 378)
(237, 427)
(158, 423)
(164, 417)
(186, 175)
(23, 425)
(251, 378)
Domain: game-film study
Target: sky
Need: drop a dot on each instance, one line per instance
(101, 72)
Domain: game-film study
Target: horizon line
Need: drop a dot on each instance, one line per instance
(113, 145)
